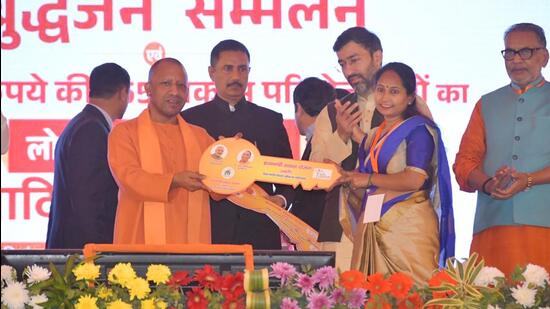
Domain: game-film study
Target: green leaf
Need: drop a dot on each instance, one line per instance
(474, 272)
(445, 302)
(471, 266)
(70, 265)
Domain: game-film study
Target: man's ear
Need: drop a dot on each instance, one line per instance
(148, 89)
(299, 108)
(377, 58)
(211, 71)
(124, 94)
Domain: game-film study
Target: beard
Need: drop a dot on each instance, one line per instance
(366, 81)
(363, 87)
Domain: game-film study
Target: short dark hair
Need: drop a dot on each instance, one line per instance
(359, 35)
(160, 61)
(226, 45)
(528, 27)
(313, 94)
(107, 79)
(408, 79)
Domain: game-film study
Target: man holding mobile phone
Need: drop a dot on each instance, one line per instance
(342, 124)
(505, 156)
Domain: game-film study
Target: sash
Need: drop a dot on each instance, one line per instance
(442, 193)
(299, 232)
(154, 213)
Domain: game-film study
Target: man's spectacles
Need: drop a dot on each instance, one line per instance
(524, 53)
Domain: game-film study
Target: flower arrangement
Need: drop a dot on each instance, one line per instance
(325, 288)
(79, 287)
(467, 284)
(471, 284)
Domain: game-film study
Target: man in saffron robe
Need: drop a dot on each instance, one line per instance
(154, 159)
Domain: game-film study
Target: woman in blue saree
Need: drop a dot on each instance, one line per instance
(404, 159)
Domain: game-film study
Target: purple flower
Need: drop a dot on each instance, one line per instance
(338, 296)
(305, 283)
(357, 298)
(283, 271)
(289, 303)
(319, 300)
(325, 276)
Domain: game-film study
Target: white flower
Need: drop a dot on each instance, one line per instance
(14, 295)
(524, 295)
(8, 274)
(487, 275)
(493, 307)
(38, 299)
(36, 273)
(535, 274)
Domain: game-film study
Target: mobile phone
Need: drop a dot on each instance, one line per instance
(506, 182)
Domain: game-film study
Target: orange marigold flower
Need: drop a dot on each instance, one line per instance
(400, 285)
(437, 280)
(376, 284)
(352, 279)
(413, 301)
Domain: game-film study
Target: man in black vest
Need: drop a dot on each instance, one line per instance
(230, 113)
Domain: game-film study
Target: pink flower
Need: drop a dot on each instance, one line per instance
(338, 296)
(325, 276)
(357, 298)
(289, 303)
(283, 271)
(305, 283)
(319, 300)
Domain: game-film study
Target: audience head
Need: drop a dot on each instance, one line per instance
(310, 96)
(109, 87)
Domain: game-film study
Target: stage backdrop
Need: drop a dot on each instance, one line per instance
(50, 47)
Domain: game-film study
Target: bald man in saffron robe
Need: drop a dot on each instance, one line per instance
(154, 159)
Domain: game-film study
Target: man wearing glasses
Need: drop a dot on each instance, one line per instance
(505, 156)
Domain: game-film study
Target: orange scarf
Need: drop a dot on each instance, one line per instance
(154, 213)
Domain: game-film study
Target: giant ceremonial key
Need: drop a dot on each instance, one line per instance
(233, 164)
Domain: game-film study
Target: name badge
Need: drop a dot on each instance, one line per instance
(373, 208)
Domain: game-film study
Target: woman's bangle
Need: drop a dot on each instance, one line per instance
(369, 182)
(483, 188)
(529, 182)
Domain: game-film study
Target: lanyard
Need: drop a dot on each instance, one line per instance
(377, 143)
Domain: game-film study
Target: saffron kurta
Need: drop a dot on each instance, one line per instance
(174, 148)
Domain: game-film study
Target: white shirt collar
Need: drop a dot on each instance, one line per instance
(105, 114)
